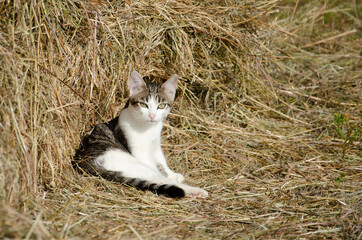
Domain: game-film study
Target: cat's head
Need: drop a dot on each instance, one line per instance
(150, 102)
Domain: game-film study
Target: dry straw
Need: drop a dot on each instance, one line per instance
(267, 117)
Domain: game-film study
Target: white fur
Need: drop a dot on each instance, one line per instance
(142, 127)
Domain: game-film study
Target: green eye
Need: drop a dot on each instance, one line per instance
(162, 106)
(143, 105)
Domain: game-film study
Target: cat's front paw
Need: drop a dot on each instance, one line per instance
(177, 177)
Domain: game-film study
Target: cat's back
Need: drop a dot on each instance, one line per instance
(104, 136)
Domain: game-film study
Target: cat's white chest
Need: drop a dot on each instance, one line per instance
(143, 146)
(143, 140)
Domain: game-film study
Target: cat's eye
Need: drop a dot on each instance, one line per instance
(143, 105)
(162, 106)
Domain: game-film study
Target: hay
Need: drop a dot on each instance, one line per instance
(267, 117)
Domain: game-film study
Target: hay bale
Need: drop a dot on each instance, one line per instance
(245, 126)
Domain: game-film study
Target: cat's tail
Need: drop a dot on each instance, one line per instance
(168, 190)
(155, 183)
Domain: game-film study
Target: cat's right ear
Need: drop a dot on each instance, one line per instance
(135, 83)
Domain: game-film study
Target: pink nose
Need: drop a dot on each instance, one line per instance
(152, 115)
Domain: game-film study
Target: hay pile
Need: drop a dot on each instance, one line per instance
(267, 117)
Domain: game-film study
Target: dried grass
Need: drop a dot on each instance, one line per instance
(253, 122)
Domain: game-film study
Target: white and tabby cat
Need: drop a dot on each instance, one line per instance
(128, 150)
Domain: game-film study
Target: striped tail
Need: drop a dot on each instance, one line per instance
(168, 190)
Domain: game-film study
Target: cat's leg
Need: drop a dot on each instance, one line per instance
(132, 168)
(164, 169)
(191, 191)
(177, 178)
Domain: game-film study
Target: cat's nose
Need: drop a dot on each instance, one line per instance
(152, 115)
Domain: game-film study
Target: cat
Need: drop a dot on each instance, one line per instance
(128, 150)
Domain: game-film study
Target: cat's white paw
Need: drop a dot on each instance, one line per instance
(196, 192)
(177, 177)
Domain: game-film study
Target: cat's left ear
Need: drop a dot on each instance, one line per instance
(170, 86)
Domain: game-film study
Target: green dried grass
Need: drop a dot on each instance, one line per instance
(252, 123)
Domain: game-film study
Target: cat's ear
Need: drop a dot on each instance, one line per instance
(169, 87)
(135, 83)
